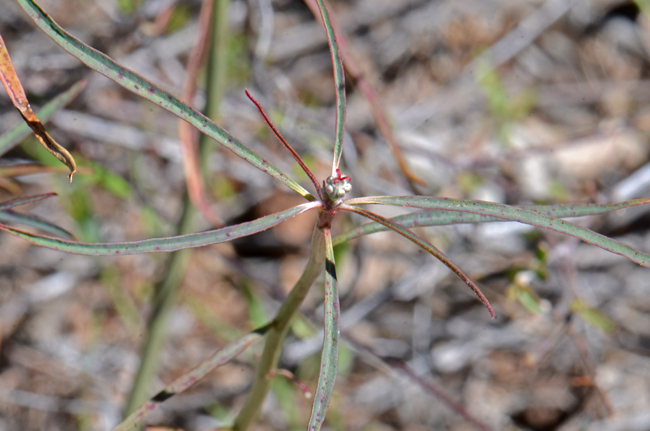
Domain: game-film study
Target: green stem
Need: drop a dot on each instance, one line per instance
(216, 68)
(166, 292)
(277, 333)
(163, 302)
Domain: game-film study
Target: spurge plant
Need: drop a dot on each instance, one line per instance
(331, 197)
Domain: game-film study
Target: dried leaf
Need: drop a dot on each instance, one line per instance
(17, 94)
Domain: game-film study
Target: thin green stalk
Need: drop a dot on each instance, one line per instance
(216, 70)
(165, 296)
(163, 302)
(277, 333)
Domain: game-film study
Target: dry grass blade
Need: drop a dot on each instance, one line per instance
(187, 133)
(19, 99)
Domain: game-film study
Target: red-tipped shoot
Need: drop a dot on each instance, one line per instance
(295, 155)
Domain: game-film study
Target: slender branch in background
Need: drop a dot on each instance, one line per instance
(188, 134)
(517, 39)
(583, 351)
(369, 94)
(438, 393)
(389, 367)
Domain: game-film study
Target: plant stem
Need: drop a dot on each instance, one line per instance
(163, 302)
(217, 66)
(166, 292)
(277, 333)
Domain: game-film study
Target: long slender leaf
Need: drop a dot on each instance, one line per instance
(140, 86)
(330, 354)
(220, 358)
(35, 222)
(443, 217)
(23, 201)
(381, 119)
(506, 212)
(16, 92)
(425, 245)
(13, 137)
(339, 84)
(156, 245)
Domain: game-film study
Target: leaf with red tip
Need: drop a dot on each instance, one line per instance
(425, 245)
(506, 212)
(443, 218)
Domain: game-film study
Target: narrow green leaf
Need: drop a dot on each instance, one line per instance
(140, 86)
(526, 297)
(339, 84)
(425, 245)
(444, 217)
(156, 245)
(13, 137)
(23, 201)
(220, 358)
(506, 212)
(330, 355)
(9, 216)
(592, 315)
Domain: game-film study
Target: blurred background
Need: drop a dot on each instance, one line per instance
(512, 101)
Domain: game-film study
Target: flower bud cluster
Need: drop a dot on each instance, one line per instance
(335, 188)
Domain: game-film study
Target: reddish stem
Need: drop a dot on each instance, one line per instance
(295, 155)
(187, 133)
(289, 375)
